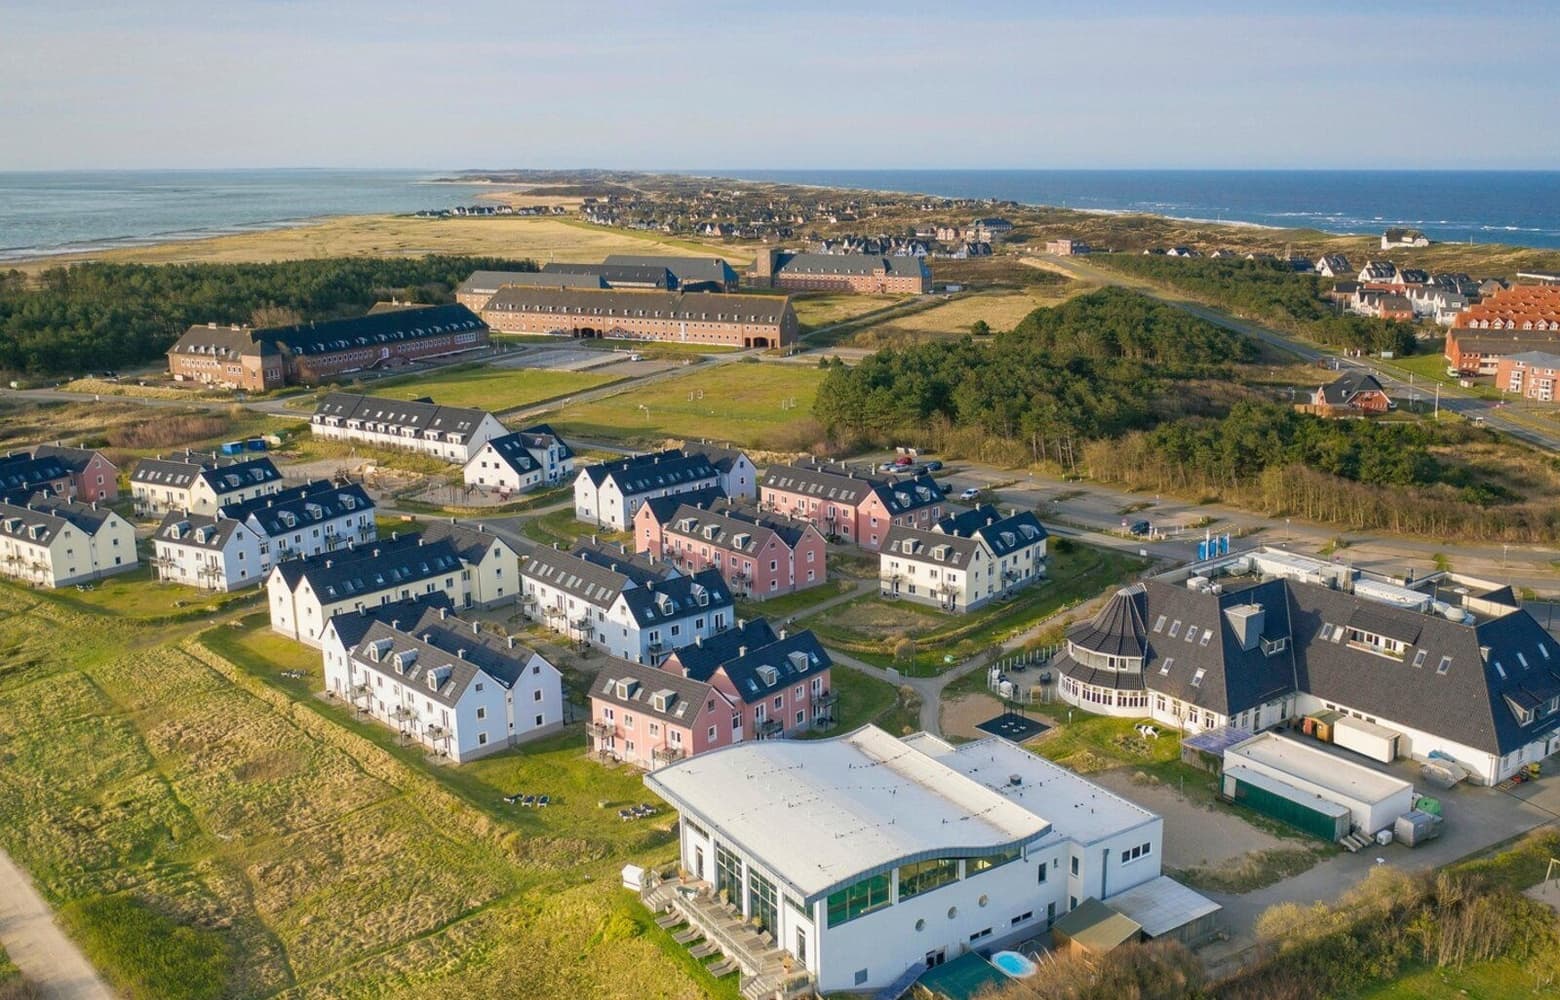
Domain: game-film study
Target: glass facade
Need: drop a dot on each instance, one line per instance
(728, 872)
(975, 866)
(762, 902)
(856, 900)
(924, 876)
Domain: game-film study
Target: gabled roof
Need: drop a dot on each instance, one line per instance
(489, 282)
(41, 518)
(370, 568)
(687, 270)
(328, 336)
(843, 486)
(21, 471)
(635, 686)
(351, 626)
(588, 574)
(1348, 385)
(198, 531)
(394, 416)
(599, 306)
(471, 541)
(672, 599)
(1536, 359)
(663, 509)
(655, 471)
(700, 658)
(734, 529)
(223, 476)
(516, 449)
(762, 671)
(1002, 535)
(724, 458)
(928, 546)
(299, 506)
(75, 459)
(611, 275)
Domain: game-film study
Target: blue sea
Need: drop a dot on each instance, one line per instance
(1517, 207)
(45, 213)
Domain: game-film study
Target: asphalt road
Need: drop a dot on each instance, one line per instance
(1452, 399)
(48, 959)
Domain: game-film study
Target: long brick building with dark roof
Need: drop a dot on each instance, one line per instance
(841, 272)
(644, 314)
(241, 357)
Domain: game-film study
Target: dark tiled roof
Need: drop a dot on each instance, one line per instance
(663, 509)
(612, 275)
(656, 471)
(635, 686)
(49, 516)
(312, 503)
(488, 282)
(328, 336)
(1118, 629)
(925, 545)
(418, 415)
(351, 626)
(471, 542)
(1003, 535)
(723, 524)
(782, 663)
(22, 471)
(180, 471)
(1348, 385)
(843, 487)
(687, 270)
(601, 306)
(198, 530)
(700, 658)
(665, 600)
(370, 568)
(75, 459)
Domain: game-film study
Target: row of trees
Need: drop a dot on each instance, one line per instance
(1270, 291)
(1092, 367)
(102, 315)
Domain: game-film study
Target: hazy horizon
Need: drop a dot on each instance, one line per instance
(257, 84)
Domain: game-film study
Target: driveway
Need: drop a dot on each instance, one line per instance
(48, 959)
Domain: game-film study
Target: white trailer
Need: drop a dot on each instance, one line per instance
(1366, 738)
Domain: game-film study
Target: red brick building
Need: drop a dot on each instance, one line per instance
(259, 359)
(643, 314)
(93, 477)
(863, 274)
(857, 509)
(1354, 392)
(1530, 375)
(1477, 352)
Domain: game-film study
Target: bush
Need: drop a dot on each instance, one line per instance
(148, 954)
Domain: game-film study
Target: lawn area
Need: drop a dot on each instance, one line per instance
(1000, 309)
(869, 627)
(1506, 979)
(137, 595)
(745, 403)
(797, 603)
(866, 699)
(205, 833)
(1091, 743)
(487, 388)
(814, 311)
(560, 526)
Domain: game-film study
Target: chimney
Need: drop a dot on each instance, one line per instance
(395, 623)
(511, 642)
(782, 633)
(328, 563)
(460, 654)
(475, 630)
(698, 640)
(444, 613)
(394, 536)
(741, 651)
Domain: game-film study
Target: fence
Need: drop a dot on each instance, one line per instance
(1012, 671)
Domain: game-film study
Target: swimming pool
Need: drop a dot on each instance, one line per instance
(1013, 964)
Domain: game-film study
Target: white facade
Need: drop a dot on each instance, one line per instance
(159, 486)
(204, 556)
(488, 470)
(607, 506)
(450, 446)
(1167, 710)
(43, 548)
(302, 615)
(946, 850)
(920, 575)
(1374, 800)
(486, 716)
(612, 627)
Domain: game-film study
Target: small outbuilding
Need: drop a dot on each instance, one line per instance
(1165, 908)
(1094, 928)
(1310, 788)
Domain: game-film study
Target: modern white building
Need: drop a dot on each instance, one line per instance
(492, 565)
(520, 462)
(445, 683)
(964, 561)
(305, 594)
(200, 483)
(452, 433)
(866, 854)
(624, 606)
(1306, 774)
(738, 475)
(211, 553)
(609, 494)
(49, 542)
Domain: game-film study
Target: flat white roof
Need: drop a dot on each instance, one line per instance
(1162, 904)
(1283, 789)
(1077, 808)
(1343, 778)
(821, 814)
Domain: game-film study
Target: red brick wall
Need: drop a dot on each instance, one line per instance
(642, 327)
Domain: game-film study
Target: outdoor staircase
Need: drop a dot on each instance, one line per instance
(1356, 841)
(900, 986)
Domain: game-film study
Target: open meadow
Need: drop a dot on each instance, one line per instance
(541, 239)
(488, 388)
(766, 405)
(1000, 309)
(816, 311)
(206, 834)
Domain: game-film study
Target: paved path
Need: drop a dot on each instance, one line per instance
(49, 960)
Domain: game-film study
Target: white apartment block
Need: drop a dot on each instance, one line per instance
(451, 433)
(963, 562)
(210, 553)
(200, 483)
(57, 543)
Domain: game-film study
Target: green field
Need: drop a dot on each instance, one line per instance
(751, 404)
(488, 388)
(204, 832)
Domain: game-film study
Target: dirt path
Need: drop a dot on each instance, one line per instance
(48, 959)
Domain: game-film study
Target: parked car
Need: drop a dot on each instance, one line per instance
(1139, 528)
(970, 494)
(934, 466)
(888, 467)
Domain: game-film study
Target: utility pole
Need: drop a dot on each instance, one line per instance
(1438, 401)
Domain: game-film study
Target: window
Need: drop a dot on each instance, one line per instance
(1197, 677)
(1207, 634)
(924, 876)
(1132, 854)
(1419, 658)
(482, 711)
(861, 974)
(1445, 665)
(539, 721)
(1026, 915)
(1326, 632)
(1075, 868)
(1041, 876)
(855, 900)
(1175, 628)
(1191, 633)
(482, 739)
(1159, 623)
(536, 695)
(1164, 668)
(974, 866)
(980, 934)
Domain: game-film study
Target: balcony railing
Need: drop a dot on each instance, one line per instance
(601, 730)
(770, 727)
(825, 700)
(667, 754)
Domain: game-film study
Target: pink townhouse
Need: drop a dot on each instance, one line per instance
(650, 718)
(93, 476)
(757, 556)
(854, 508)
(780, 685)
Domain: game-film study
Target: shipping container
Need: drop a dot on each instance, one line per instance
(1366, 739)
(232, 447)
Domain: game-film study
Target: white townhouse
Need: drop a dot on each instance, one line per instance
(211, 553)
(520, 462)
(452, 433)
(304, 594)
(302, 521)
(621, 605)
(738, 475)
(492, 564)
(200, 483)
(865, 854)
(964, 561)
(56, 543)
(610, 493)
(446, 684)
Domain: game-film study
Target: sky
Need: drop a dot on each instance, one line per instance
(706, 84)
